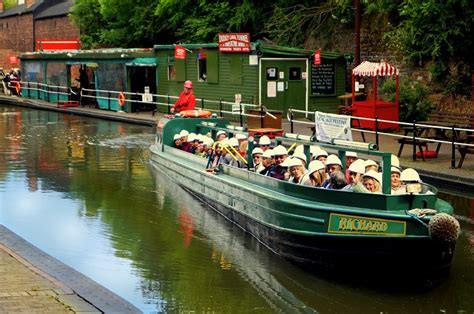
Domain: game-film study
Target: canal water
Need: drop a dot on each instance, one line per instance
(83, 191)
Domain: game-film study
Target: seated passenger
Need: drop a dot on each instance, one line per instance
(233, 158)
(266, 164)
(264, 142)
(356, 170)
(396, 185)
(410, 175)
(313, 149)
(190, 143)
(372, 181)
(321, 155)
(257, 157)
(333, 164)
(316, 174)
(220, 135)
(337, 181)
(371, 165)
(296, 170)
(177, 141)
(240, 137)
(277, 171)
(350, 158)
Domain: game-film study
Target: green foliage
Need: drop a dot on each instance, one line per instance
(7, 4)
(414, 102)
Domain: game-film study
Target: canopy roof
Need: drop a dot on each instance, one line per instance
(143, 62)
(367, 68)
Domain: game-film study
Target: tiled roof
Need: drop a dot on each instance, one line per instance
(58, 9)
(41, 9)
(21, 9)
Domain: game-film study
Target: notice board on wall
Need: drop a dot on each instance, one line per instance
(323, 78)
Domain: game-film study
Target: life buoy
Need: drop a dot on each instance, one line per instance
(121, 99)
(195, 113)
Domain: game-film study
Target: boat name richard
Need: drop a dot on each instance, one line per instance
(363, 225)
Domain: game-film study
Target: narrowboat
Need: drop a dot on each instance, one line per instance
(318, 228)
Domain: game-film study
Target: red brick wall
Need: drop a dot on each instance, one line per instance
(16, 36)
(56, 28)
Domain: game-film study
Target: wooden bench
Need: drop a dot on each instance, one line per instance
(408, 131)
(464, 150)
(67, 103)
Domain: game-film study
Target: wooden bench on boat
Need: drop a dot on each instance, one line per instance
(67, 103)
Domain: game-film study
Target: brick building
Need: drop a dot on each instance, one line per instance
(23, 25)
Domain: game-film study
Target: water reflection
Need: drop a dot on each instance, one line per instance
(82, 190)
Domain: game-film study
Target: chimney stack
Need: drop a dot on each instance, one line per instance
(29, 3)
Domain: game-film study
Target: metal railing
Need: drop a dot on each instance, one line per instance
(454, 140)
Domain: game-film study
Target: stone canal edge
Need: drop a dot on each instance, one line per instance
(32, 281)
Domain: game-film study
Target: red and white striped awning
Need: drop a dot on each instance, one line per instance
(367, 68)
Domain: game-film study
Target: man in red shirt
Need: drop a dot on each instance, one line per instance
(186, 100)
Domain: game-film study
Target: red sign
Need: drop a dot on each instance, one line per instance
(317, 57)
(234, 42)
(44, 45)
(179, 52)
(13, 59)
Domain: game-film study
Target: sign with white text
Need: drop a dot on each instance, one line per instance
(331, 126)
(234, 42)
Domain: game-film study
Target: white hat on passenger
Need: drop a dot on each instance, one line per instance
(320, 153)
(299, 149)
(357, 166)
(333, 160)
(374, 175)
(351, 154)
(220, 132)
(315, 165)
(410, 174)
(300, 155)
(233, 142)
(370, 162)
(395, 169)
(286, 162)
(268, 153)
(395, 161)
(191, 137)
(313, 149)
(176, 137)
(280, 150)
(264, 140)
(184, 133)
(240, 136)
(294, 162)
(257, 150)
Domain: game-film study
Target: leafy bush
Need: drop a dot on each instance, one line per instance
(414, 102)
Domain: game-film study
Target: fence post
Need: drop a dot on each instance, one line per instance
(261, 116)
(241, 117)
(57, 92)
(202, 103)
(414, 141)
(220, 108)
(169, 108)
(47, 88)
(377, 131)
(28, 87)
(108, 99)
(453, 151)
(292, 116)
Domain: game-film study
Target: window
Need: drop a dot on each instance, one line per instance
(202, 65)
(295, 74)
(171, 69)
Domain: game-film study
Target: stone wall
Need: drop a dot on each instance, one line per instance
(16, 36)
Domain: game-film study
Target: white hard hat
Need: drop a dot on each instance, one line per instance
(321, 152)
(192, 137)
(294, 162)
(374, 175)
(264, 140)
(184, 133)
(299, 149)
(315, 165)
(395, 161)
(176, 137)
(220, 132)
(357, 166)
(286, 162)
(370, 162)
(240, 136)
(300, 155)
(395, 169)
(257, 150)
(233, 142)
(280, 150)
(268, 153)
(313, 149)
(351, 154)
(333, 160)
(410, 174)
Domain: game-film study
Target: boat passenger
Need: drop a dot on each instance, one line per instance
(232, 158)
(372, 181)
(350, 158)
(356, 170)
(371, 165)
(216, 156)
(396, 185)
(257, 157)
(240, 137)
(186, 100)
(301, 156)
(177, 140)
(316, 174)
(190, 148)
(410, 175)
(277, 171)
(264, 142)
(267, 162)
(185, 145)
(220, 135)
(321, 155)
(337, 181)
(296, 170)
(333, 164)
(313, 149)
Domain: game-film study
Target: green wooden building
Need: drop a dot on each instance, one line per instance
(277, 77)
